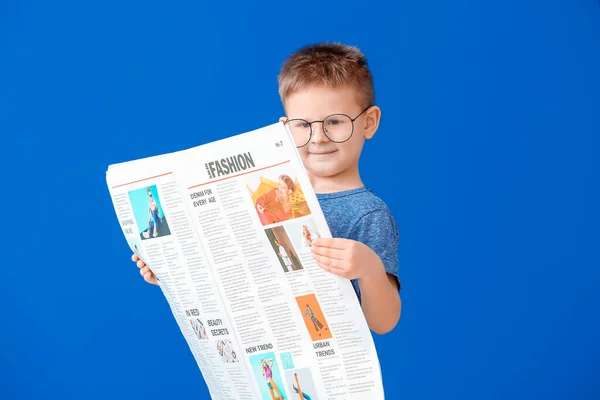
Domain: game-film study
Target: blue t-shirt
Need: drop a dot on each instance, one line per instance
(359, 215)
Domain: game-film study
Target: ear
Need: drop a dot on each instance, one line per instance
(372, 118)
(282, 119)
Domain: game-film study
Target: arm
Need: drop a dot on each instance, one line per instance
(355, 260)
(379, 285)
(266, 198)
(298, 383)
(370, 257)
(381, 302)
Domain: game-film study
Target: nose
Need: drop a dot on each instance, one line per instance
(318, 135)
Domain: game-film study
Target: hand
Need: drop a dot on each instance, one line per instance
(347, 258)
(260, 208)
(144, 270)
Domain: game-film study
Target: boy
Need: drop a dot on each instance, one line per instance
(328, 96)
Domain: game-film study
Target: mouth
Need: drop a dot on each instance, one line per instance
(322, 152)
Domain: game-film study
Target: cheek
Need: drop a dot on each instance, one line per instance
(351, 148)
(358, 136)
(303, 151)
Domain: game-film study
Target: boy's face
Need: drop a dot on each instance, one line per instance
(322, 157)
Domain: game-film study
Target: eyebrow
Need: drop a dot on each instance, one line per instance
(315, 119)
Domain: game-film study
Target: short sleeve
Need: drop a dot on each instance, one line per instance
(378, 230)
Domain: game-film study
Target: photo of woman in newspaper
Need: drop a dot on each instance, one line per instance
(302, 233)
(309, 235)
(277, 200)
(148, 213)
(268, 376)
(314, 319)
(267, 366)
(284, 249)
(154, 219)
(281, 252)
(310, 314)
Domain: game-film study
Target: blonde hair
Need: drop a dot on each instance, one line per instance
(333, 65)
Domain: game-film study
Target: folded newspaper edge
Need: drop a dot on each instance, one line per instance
(226, 227)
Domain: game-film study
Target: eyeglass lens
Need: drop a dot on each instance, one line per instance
(338, 128)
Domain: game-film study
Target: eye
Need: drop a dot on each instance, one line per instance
(302, 124)
(334, 121)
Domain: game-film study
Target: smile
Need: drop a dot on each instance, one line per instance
(320, 153)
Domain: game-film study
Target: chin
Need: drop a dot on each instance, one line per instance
(323, 171)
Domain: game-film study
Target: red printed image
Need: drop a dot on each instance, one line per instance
(277, 198)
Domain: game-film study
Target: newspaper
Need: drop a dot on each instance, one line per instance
(226, 228)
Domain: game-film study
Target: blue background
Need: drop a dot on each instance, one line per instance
(487, 155)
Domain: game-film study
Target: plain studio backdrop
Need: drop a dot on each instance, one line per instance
(487, 155)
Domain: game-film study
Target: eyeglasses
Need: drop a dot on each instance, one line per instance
(337, 127)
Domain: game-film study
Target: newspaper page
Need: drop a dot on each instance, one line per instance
(227, 227)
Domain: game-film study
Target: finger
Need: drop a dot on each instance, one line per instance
(329, 262)
(335, 271)
(324, 267)
(149, 277)
(329, 252)
(134, 257)
(144, 270)
(331, 270)
(336, 243)
(141, 264)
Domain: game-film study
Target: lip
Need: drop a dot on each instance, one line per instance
(321, 153)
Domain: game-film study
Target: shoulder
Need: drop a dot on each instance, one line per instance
(375, 223)
(350, 213)
(372, 219)
(360, 200)
(368, 208)
(373, 205)
(376, 227)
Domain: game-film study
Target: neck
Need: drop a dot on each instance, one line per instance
(345, 180)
